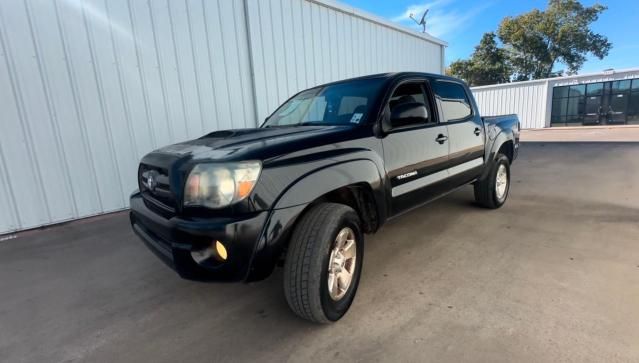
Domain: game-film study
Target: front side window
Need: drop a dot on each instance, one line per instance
(406, 94)
(336, 104)
(453, 99)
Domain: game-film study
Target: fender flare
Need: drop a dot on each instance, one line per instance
(496, 143)
(318, 182)
(293, 201)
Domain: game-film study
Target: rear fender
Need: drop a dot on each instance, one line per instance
(495, 142)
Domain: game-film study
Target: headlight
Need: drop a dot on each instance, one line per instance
(220, 185)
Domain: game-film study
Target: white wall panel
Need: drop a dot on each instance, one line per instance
(297, 44)
(526, 99)
(87, 87)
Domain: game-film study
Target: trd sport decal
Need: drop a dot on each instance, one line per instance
(407, 175)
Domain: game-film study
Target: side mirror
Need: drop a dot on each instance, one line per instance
(407, 114)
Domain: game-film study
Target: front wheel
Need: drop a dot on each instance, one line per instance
(324, 262)
(492, 191)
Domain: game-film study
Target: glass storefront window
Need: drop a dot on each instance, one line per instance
(633, 106)
(620, 86)
(611, 102)
(575, 106)
(559, 92)
(594, 89)
(578, 90)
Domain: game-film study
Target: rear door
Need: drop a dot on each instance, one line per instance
(465, 130)
(415, 155)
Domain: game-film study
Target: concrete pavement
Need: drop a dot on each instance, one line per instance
(623, 133)
(552, 276)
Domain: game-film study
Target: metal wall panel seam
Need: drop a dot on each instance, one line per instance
(76, 103)
(284, 54)
(265, 97)
(249, 40)
(210, 62)
(105, 118)
(226, 69)
(178, 69)
(275, 60)
(297, 34)
(140, 66)
(237, 53)
(53, 116)
(15, 88)
(160, 73)
(8, 190)
(335, 39)
(197, 76)
(352, 49)
(295, 43)
(304, 55)
(312, 18)
(124, 92)
(243, 56)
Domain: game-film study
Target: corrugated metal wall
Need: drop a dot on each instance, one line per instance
(299, 44)
(89, 86)
(528, 100)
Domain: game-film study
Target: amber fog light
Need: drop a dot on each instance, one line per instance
(214, 252)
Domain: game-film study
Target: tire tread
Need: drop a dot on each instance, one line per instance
(304, 246)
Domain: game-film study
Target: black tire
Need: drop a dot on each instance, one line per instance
(485, 193)
(306, 266)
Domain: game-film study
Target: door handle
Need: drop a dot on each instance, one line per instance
(477, 131)
(441, 138)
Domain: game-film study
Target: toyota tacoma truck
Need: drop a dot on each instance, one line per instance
(331, 164)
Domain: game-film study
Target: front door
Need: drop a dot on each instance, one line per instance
(415, 155)
(465, 131)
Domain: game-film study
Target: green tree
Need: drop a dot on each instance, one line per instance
(487, 65)
(536, 41)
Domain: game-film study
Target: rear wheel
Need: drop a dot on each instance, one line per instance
(492, 191)
(324, 263)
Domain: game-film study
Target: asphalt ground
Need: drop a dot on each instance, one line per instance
(551, 276)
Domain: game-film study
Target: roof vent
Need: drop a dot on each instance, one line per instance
(609, 71)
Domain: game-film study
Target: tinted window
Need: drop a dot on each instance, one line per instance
(575, 106)
(578, 90)
(455, 103)
(620, 86)
(559, 107)
(336, 104)
(560, 92)
(635, 84)
(594, 89)
(350, 104)
(412, 92)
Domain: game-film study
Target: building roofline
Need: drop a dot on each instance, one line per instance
(376, 19)
(513, 84)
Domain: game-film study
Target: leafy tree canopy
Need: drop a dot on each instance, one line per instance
(487, 65)
(534, 43)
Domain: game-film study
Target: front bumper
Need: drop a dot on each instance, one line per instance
(173, 239)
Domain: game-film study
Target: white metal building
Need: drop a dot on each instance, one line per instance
(609, 97)
(89, 86)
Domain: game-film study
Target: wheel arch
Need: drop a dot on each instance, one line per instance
(356, 184)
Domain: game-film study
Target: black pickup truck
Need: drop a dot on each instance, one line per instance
(331, 164)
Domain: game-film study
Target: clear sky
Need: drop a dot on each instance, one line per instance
(462, 22)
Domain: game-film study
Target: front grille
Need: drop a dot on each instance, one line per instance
(155, 187)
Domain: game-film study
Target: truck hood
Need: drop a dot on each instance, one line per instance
(253, 144)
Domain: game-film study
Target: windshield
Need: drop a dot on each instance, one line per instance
(337, 104)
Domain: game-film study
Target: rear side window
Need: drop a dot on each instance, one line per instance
(452, 97)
